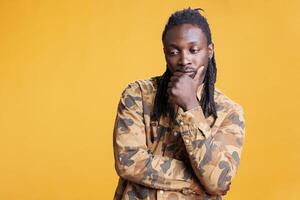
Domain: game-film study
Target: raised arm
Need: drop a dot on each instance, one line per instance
(214, 153)
(133, 159)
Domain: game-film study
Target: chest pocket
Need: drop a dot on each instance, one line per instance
(157, 136)
(174, 146)
(163, 141)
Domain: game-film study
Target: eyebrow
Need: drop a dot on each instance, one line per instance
(174, 45)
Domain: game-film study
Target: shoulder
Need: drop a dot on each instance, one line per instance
(140, 93)
(224, 103)
(142, 86)
(230, 111)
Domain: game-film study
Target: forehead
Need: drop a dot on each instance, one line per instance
(185, 33)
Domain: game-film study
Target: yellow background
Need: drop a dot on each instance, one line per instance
(64, 64)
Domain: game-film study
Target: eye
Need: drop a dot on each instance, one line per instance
(194, 50)
(173, 52)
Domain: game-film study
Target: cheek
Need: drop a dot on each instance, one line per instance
(171, 63)
(201, 59)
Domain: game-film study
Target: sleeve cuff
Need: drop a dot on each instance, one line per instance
(193, 119)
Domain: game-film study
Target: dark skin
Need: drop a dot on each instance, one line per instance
(187, 54)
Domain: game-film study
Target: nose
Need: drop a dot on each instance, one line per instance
(184, 59)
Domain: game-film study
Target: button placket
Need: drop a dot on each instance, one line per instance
(160, 194)
(175, 133)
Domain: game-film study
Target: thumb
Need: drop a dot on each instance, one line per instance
(198, 74)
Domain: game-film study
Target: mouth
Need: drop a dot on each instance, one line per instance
(189, 72)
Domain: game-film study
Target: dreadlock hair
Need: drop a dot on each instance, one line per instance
(161, 105)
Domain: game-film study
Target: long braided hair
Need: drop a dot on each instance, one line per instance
(161, 105)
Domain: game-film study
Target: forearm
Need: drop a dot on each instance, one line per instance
(154, 171)
(214, 157)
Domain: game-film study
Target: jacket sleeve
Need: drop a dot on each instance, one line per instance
(214, 153)
(133, 159)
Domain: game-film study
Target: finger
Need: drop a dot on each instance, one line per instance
(198, 74)
(174, 78)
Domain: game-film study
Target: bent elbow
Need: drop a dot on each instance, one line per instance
(121, 171)
(218, 183)
(126, 173)
(217, 190)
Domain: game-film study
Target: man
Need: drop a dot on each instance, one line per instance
(175, 135)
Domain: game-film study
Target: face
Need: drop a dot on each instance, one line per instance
(186, 49)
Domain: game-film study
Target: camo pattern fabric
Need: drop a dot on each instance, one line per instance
(190, 157)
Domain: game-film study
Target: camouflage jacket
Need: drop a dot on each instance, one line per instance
(191, 158)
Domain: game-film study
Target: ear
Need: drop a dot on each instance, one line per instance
(211, 50)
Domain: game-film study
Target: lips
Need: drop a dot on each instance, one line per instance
(190, 73)
(186, 70)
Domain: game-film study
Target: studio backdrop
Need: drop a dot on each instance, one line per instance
(64, 64)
